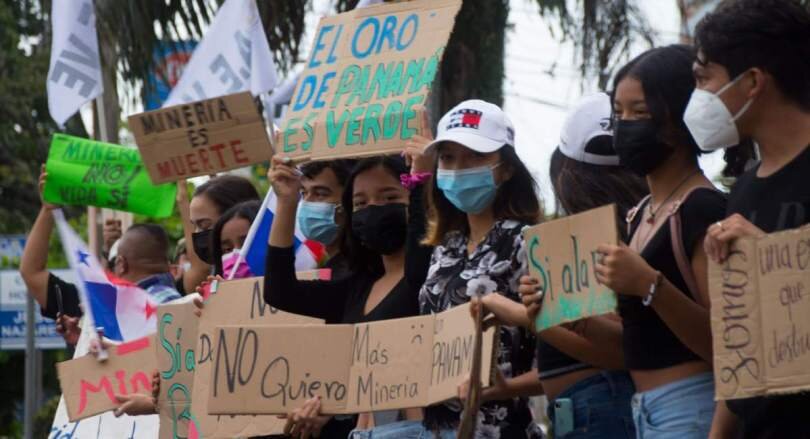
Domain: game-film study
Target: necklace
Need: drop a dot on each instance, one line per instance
(653, 213)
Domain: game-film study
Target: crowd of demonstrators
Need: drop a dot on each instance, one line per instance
(585, 174)
(441, 226)
(382, 224)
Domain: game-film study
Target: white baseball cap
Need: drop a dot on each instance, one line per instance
(587, 135)
(476, 124)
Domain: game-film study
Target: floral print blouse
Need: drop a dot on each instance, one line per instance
(495, 265)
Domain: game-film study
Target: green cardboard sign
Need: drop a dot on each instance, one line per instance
(84, 172)
(562, 256)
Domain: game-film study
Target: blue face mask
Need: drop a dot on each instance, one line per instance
(317, 221)
(470, 190)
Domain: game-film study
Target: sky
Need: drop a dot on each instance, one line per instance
(535, 100)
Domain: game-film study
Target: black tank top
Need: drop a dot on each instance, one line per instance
(648, 342)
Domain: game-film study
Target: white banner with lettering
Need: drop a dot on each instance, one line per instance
(233, 56)
(74, 76)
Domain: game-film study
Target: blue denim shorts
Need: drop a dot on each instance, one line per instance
(682, 409)
(401, 430)
(601, 405)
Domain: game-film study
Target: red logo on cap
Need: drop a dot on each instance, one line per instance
(465, 118)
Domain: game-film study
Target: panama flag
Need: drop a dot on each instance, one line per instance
(308, 254)
(123, 309)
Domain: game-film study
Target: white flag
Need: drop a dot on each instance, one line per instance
(74, 76)
(233, 56)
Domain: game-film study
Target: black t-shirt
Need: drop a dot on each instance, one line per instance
(648, 342)
(70, 298)
(778, 202)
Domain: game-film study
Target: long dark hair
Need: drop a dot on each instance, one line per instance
(582, 186)
(359, 257)
(665, 74)
(516, 200)
(246, 210)
(225, 191)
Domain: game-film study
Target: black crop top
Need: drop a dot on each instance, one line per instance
(648, 342)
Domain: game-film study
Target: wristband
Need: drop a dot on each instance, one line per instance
(411, 181)
(653, 289)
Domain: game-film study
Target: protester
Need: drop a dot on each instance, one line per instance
(228, 237)
(661, 278)
(211, 199)
(752, 73)
(142, 259)
(585, 174)
(479, 200)
(384, 225)
(320, 215)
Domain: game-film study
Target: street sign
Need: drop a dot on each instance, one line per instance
(12, 314)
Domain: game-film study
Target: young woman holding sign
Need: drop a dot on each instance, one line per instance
(661, 277)
(585, 174)
(480, 198)
(384, 223)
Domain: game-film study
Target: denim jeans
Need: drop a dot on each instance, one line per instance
(682, 409)
(601, 405)
(401, 430)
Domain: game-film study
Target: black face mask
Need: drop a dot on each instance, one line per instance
(381, 229)
(202, 245)
(638, 147)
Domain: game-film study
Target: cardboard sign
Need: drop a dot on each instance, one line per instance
(562, 255)
(369, 71)
(89, 386)
(84, 172)
(235, 302)
(103, 425)
(388, 364)
(201, 138)
(176, 360)
(760, 300)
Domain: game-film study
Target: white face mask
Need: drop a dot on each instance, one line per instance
(711, 124)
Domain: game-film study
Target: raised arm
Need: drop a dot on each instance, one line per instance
(417, 256)
(321, 299)
(33, 266)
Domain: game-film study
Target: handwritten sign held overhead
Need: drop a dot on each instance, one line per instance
(369, 71)
(88, 173)
(89, 386)
(760, 300)
(201, 138)
(562, 255)
(388, 364)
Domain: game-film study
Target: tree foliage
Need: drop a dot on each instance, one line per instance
(601, 31)
(25, 124)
